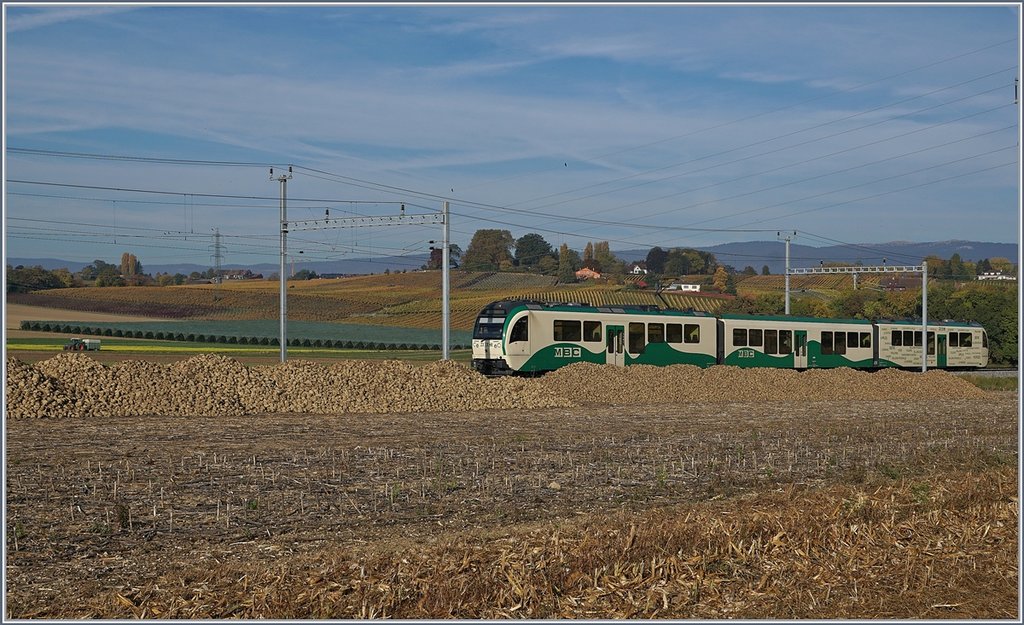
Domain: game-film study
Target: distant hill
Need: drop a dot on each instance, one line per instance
(773, 253)
(739, 255)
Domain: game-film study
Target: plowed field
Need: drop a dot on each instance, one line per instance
(857, 509)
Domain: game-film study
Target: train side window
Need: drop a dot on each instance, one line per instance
(771, 341)
(636, 338)
(897, 338)
(865, 339)
(840, 346)
(592, 331)
(756, 338)
(520, 331)
(954, 339)
(739, 337)
(655, 332)
(674, 332)
(908, 338)
(931, 343)
(566, 330)
(965, 339)
(826, 344)
(852, 340)
(984, 339)
(785, 342)
(917, 339)
(692, 333)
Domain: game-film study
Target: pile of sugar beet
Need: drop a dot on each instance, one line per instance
(75, 385)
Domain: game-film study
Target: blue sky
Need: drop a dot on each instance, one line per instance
(632, 124)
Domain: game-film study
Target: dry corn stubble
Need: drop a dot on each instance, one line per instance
(74, 385)
(793, 554)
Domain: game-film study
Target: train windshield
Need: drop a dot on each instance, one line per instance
(488, 327)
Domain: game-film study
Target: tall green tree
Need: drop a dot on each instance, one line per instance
(530, 249)
(566, 271)
(656, 260)
(488, 250)
(608, 262)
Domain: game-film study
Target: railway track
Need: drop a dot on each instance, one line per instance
(991, 373)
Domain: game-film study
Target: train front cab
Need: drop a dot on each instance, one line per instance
(488, 335)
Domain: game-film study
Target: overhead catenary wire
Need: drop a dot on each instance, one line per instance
(803, 162)
(774, 138)
(779, 109)
(378, 186)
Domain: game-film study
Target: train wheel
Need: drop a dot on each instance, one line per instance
(81, 347)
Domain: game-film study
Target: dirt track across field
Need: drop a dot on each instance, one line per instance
(275, 516)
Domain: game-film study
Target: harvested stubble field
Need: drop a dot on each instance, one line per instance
(716, 506)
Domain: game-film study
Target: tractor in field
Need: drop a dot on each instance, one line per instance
(81, 345)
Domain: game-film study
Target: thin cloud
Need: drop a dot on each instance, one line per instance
(28, 19)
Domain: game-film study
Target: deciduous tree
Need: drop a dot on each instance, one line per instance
(531, 249)
(487, 250)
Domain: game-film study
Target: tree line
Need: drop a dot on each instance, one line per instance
(498, 250)
(129, 272)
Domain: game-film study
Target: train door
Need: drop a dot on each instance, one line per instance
(800, 349)
(940, 355)
(519, 337)
(615, 339)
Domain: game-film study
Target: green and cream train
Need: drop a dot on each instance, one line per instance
(527, 337)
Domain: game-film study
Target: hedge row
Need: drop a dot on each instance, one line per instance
(39, 326)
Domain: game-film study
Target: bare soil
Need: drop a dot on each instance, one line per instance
(299, 516)
(14, 314)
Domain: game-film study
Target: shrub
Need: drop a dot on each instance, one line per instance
(119, 332)
(159, 335)
(233, 340)
(108, 332)
(179, 337)
(221, 338)
(147, 335)
(46, 327)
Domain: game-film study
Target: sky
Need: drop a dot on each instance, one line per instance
(149, 128)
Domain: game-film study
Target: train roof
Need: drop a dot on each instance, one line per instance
(507, 306)
(792, 319)
(917, 323)
(902, 322)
